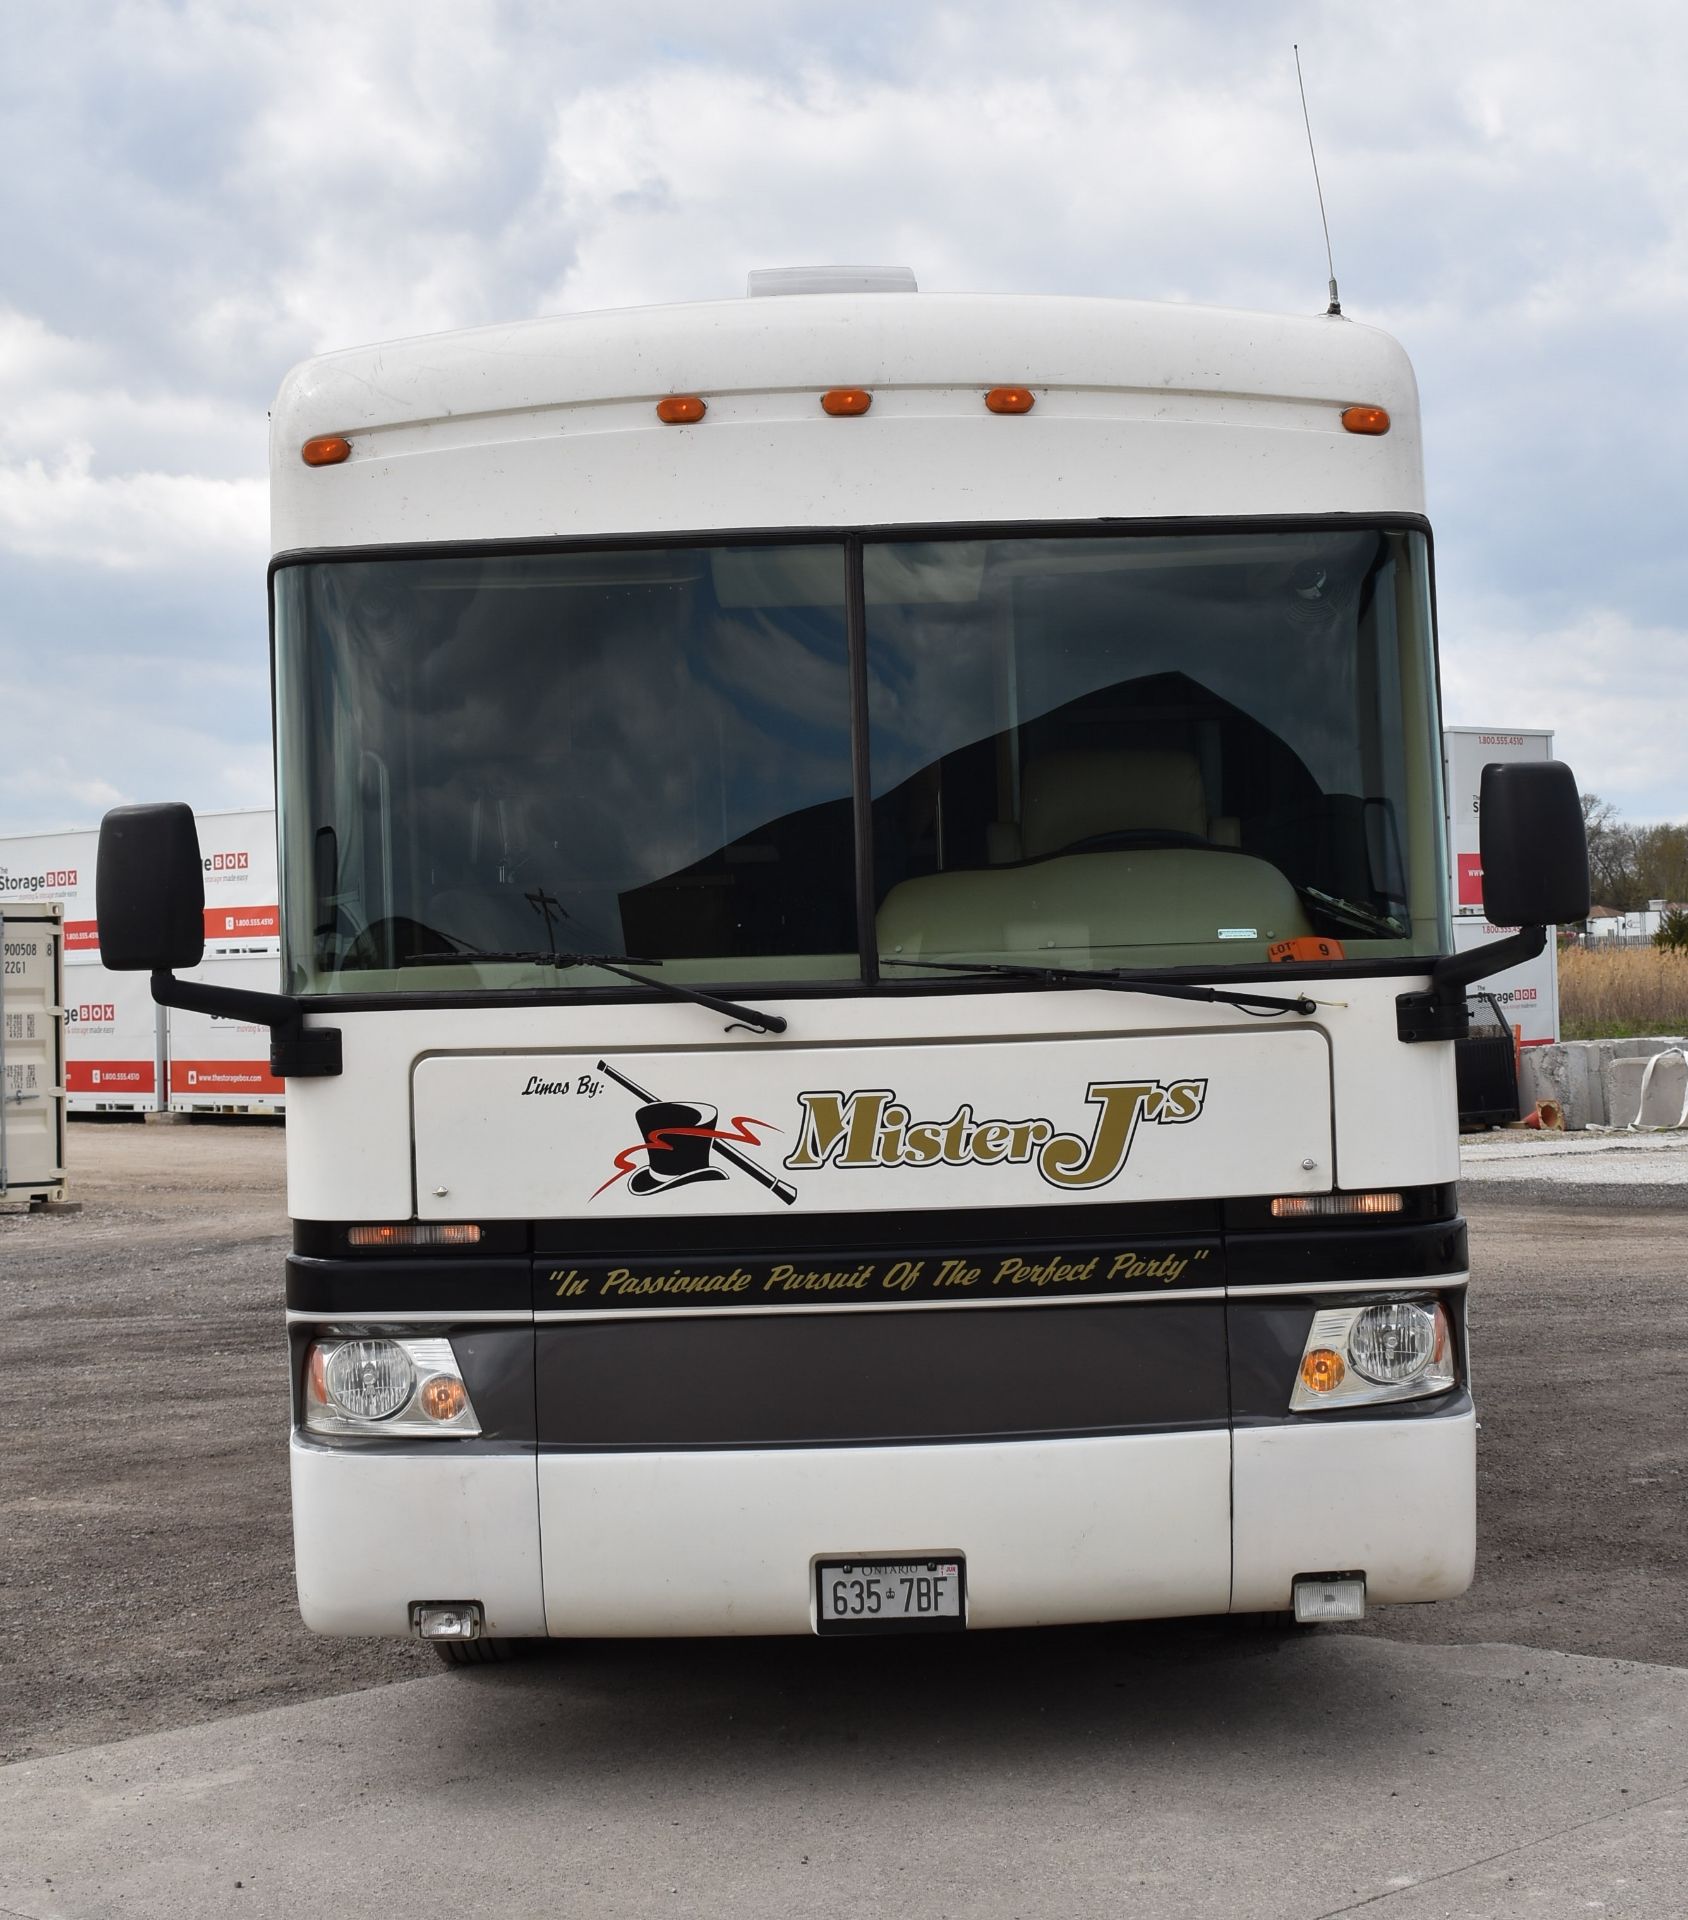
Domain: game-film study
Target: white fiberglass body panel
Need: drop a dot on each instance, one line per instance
(373, 1532)
(1397, 1498)
(1054, 1531)
(350, 1138)
(548, 428)
(837, 1130)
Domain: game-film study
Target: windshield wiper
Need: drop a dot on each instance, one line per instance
(757, 1021)
(1360, 919)
(1117, 978)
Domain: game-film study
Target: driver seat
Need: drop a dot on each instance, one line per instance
(1079, 793)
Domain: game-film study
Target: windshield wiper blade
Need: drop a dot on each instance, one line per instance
(757, 1021)
(1117, 978)
(1360, 919)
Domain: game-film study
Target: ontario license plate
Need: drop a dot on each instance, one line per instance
(890, 1596)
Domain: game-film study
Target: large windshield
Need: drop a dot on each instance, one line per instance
(1088, 750)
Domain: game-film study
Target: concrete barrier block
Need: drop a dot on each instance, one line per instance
(1579, 1075)
(1651, 1098)
(1569, 1074)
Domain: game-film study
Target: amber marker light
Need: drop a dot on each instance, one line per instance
(1324, 1206)
(681, 410)
(414, 1233)
(326, 450)
(1010, 400)
(1366, 419)
(1322, 1370)
(845, 402)
(444, 1398)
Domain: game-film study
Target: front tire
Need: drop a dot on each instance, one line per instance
(480, 1653)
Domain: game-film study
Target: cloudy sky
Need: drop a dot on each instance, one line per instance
(194, 196)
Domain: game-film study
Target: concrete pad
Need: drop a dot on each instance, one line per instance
(1521, 1157)
(1203, 1772)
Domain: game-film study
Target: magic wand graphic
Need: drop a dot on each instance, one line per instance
(782, 1189)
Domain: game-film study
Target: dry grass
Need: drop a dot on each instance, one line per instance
(1611, 993)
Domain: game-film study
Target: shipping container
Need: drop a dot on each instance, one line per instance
(114, 1042)
(32, 1052)
(1466, 751)
(219, 1065)
(116, 1039)
(1528, 994)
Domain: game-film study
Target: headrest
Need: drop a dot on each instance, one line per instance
(1084, 791)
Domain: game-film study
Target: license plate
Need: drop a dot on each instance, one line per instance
(890, 1596)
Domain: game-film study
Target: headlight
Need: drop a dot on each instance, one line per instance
(1393, 1344)
(375, 1387)
(1360, 1356)
(369, 1379)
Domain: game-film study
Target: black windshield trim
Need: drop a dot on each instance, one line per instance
(1411, 966)
(865, 535)
(852, 543)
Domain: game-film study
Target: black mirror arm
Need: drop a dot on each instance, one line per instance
(297, 1052)
(1441, 1014)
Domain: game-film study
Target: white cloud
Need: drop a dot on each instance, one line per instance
(66, 512)
(205, 192)
(1611, 690)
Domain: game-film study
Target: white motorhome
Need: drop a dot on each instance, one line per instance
(866, 1008)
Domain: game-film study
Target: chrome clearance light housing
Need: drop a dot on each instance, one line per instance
(369, 1386)
(1359, 1356)
(446, 1619)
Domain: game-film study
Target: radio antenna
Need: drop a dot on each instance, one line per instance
(1335, 303)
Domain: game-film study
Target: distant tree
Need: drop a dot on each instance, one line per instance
(1661, 862)
(1672, 936)
(1613, 867)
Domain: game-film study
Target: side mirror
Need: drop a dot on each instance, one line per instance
(1534, 845)
(149, 889)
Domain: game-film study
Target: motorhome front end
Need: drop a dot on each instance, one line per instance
(854, 874)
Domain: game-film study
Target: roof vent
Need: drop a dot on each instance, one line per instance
(767, 280)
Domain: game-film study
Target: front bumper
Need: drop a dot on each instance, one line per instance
(1135, 1526)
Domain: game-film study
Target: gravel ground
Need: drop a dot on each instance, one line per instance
(146, 1579)
(145, 1570)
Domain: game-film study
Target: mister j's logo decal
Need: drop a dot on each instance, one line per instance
(873, 1129)
(681, 1146)
(683, 1143)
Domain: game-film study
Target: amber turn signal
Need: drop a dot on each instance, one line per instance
(680, 410)
(414, 1233)
(1321, 1371)
(1365, 419)
(326, 450)
(1010, 400)
(1315, 1206)
(843, 402)
(443, 1398)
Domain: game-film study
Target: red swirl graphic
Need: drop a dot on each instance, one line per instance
(738, 1132)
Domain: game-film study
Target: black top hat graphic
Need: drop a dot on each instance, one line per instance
(677, 1139)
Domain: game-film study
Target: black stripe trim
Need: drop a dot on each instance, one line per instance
(389, 1288)
(1348, 1252)
(879, 1379)
(839, 1236)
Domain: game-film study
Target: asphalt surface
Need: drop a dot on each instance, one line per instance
(1190, 1776)
(145, 1589)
